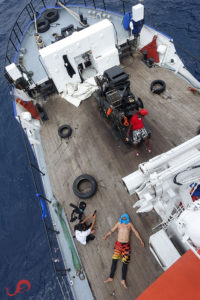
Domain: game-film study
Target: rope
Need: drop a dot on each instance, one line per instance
(61, 289)
(73, 14)
(35, 23)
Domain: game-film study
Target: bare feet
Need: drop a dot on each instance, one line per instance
(108, 280)
(123, 282)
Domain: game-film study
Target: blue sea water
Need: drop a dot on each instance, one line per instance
(24, 252)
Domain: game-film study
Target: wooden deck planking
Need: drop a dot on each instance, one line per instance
(95, 149)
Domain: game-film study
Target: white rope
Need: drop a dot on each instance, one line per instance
(61, 289)
(72, 13)
(35, 23)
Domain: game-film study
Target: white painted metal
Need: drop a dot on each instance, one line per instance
(166, 165)
(168, 58)
(154, 182)
(22, 95)
(13, 71)
(163, 249)
(97, 40)
(138, 12)
(162, 183)
(188, 224)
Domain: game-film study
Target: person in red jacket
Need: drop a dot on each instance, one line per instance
(136, 126)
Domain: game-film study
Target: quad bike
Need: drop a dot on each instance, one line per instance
(116, 101)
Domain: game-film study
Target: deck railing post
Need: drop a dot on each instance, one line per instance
(13, 43)
(31, 7)
(8, 59)
(19, 28)
(41, 196)
(104, 4)
(44, 3)
(64, 270)
(123, 4)
(94, 3)
(33, 166)
(53, 230)
(16, 35)
(28, 12)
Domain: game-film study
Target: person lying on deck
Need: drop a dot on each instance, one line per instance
(122, 246)
(84, 232)
(138, 131)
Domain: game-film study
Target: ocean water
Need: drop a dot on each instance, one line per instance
(24, 250)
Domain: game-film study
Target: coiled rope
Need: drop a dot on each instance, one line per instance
(72, 13)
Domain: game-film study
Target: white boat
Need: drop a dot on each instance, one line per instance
(59, 56)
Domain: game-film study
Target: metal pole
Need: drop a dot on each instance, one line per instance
(123, 7)
(37, 169)
(28, 13)
(44, 3)
(39, 195)
(104, 4)
(13, 44)
(19, 28)
(53, 230)
(31, 7)
(65, 270)
(8, 59)
(16, 35)
(94, 3)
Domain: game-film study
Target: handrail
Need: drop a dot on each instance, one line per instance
(47, 227)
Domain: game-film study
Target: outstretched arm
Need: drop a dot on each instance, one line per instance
(137, 235)
(128, 131)
(110, 232)
(93, 222)
(86, 219)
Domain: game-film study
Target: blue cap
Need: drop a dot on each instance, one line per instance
(124, 221)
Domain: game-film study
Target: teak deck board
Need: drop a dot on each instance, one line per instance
(95, 149)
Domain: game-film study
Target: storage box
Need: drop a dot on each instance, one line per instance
(138, 12)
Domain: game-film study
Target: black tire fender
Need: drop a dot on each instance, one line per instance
(51, 15)
(88, 194)
(42, 25)
(63, 128)
(158, 90)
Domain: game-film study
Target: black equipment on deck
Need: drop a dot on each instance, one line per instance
(116, 101)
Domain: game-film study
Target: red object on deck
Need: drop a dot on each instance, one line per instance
(30, 107)
(179, 282)
(152, 50)
(190, 88)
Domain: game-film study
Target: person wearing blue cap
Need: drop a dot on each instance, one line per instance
(122, 246)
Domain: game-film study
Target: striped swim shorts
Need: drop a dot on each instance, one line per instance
(122, 250)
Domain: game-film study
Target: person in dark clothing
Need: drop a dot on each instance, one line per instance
(83, 232)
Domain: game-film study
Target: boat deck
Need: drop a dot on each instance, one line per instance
(94, 148)
(31, 58)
